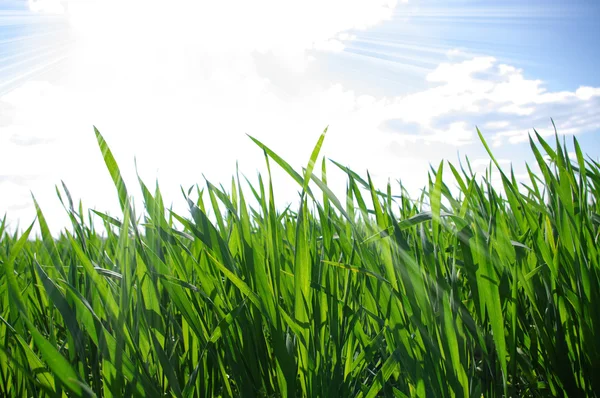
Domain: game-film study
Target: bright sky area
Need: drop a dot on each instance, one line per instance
(178, 84)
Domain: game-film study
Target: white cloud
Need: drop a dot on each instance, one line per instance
(496, 125)
(586, 93)
(331, 45)
(514, 108)
(497, 97)
(462, 72)
(458, 133)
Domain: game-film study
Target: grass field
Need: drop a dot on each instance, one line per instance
(480, 293)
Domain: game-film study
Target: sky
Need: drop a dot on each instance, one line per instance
(176, 86)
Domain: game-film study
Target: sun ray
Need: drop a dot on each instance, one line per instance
(31, 37)
(425, 63)
(491, 12)
(7, 85)
(40, 52)
(403, 44)
(394, 65)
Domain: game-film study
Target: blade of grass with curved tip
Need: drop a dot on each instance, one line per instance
(113, 169)
(328, 193)
(313, 160)
(49, 243)
(284, 165)
(386, 249)
(108, 219)
(356, 177)
(436, 204)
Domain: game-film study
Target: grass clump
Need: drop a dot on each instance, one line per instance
(477, 293)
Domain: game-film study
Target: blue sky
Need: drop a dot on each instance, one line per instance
(553, 41)
(177, 85)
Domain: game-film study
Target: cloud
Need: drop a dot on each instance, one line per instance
(586, 93)
(498, 98)
(458, 74)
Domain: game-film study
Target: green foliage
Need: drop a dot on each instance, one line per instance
(480, 293)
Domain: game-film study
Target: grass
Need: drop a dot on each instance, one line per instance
(479, 293)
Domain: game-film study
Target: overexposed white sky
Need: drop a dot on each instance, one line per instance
(178, 84)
